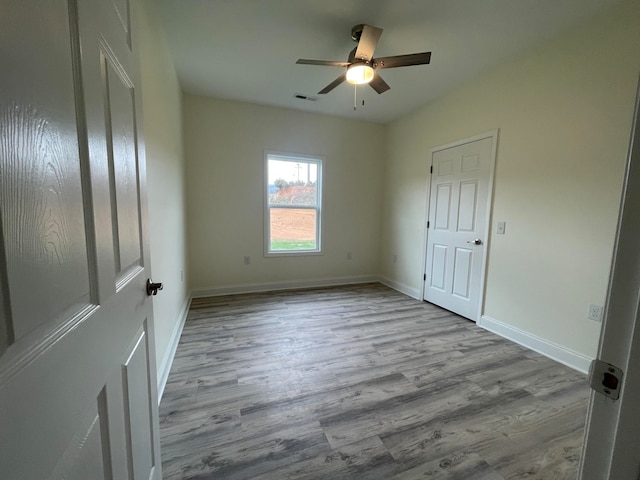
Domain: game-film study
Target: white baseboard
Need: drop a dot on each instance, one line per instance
(401, 287)
(289, 285)
(170, 353)
(560, 354)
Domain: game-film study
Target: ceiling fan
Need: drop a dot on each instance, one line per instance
(361, 66)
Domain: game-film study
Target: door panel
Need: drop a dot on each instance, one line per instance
(444, 167)
(41, 174)
(470, 163)
(78, 395)
(138, 408)
(458, 215)
(438, 267)
(462, 265)
(84, 457)
(468, 206)
(123, 168)
(443, 207)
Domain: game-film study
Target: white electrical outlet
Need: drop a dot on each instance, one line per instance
(595, 312)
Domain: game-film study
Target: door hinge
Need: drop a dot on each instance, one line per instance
(424, 277)
(431, 169)
(605, 378)
(428, 223)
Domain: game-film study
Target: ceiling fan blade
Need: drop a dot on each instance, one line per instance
(333, 84)
(402, 60)
(378, 84)
(368, 42)
(327, 63)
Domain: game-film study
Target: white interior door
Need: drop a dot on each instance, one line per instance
(458, 221)
(78, 395)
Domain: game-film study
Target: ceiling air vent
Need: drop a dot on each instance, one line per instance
(300, 96)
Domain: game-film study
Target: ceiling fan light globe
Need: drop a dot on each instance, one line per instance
(359, 74)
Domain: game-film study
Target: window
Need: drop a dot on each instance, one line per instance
(293, 204)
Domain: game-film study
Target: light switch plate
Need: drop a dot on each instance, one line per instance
(501, 228)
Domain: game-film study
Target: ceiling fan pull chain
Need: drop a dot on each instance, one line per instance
(355, 101)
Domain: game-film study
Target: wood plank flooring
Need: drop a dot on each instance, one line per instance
(362, 382)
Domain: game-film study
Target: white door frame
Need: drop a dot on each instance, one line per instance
(612, 441)
(493, 134)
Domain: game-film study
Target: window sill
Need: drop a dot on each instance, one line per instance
(289, 253)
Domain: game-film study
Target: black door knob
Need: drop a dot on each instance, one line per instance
(152, 288)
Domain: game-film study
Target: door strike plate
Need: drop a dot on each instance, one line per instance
(605, 378)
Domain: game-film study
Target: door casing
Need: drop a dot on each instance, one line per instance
(612, 442)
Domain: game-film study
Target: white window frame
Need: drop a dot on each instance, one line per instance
(294, 158)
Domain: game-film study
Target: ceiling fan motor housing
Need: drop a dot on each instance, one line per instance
(356, 32)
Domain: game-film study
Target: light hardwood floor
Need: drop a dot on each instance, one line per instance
(361, 382)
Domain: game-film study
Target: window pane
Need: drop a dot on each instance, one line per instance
(292, 229)
(293, 182)
(293, 195)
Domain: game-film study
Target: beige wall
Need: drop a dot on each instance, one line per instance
(161, 99)
(224, 146)
(564, 113)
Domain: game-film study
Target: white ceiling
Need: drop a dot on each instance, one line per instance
(246, 49)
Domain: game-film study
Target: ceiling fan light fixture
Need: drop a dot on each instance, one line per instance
(359, 73)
